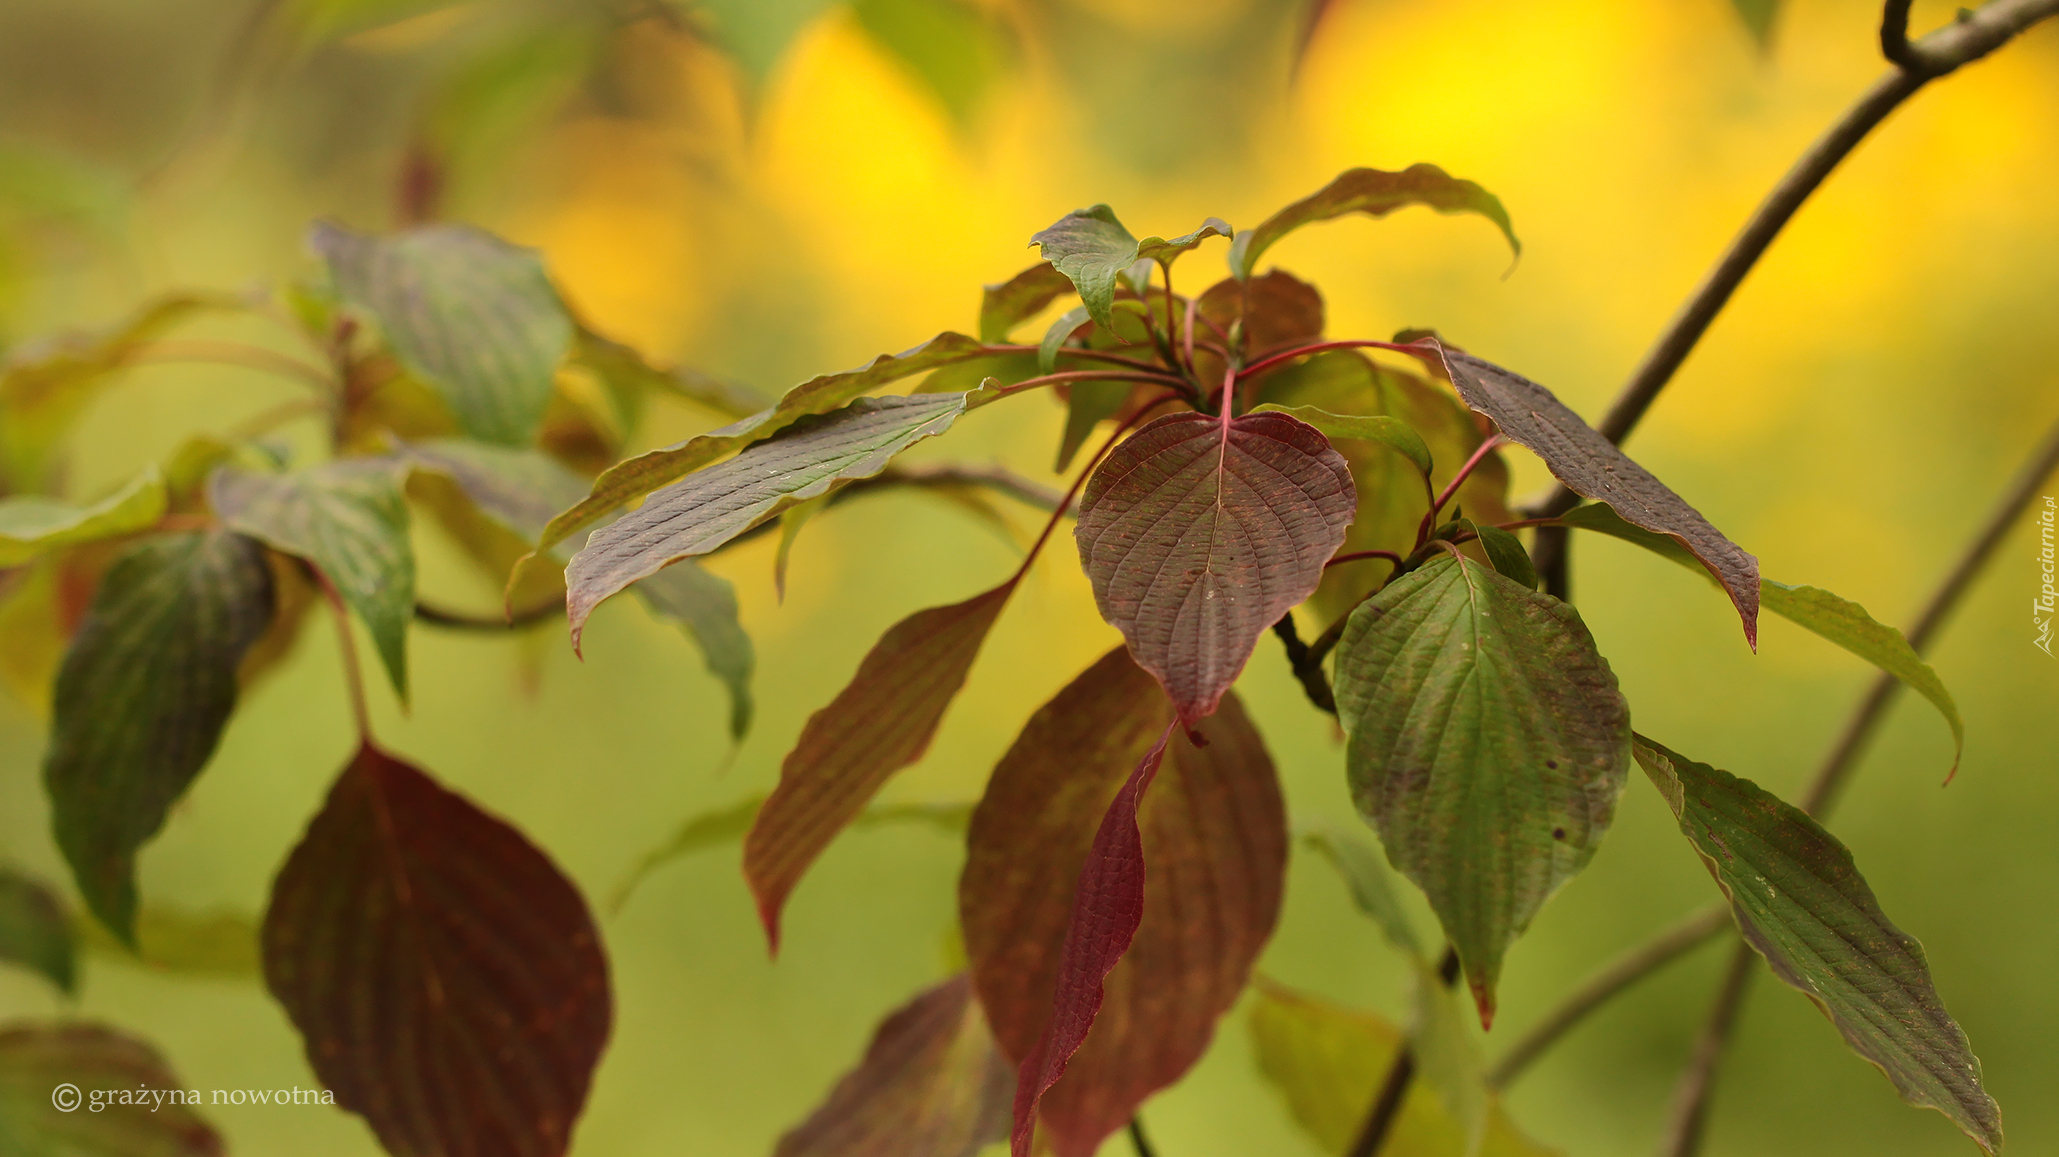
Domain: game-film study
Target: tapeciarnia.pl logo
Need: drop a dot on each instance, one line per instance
(2042, 608)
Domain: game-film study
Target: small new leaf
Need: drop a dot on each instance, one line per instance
(146, 687)
(1375, 193)
(878, 724)
(707, 509)
(1488, 744)
(1199, 534)
(1802, 903)
(31, 525)
(932, 1084)
(350, 520)
(411, 933)
(1592, 466)
(1091, 248)
(466, 312)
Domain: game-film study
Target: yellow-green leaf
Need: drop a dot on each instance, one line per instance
(30, 525)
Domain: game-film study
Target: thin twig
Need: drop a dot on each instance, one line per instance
(1138, 1140)
(1606, 982)
(1386, 1108)
(231, 353)
(1974, 36)
(436, 616)
(353, 673)
(1314, 683)
(1683, 1134)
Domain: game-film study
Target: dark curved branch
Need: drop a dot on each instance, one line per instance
(1974, 36)
(436, 616)
(1308, 666)
(1386, 1108)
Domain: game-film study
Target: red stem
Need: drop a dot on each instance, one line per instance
(1451, 488)
(1356, 555)
(1302, 351)
(1093, 375)
(1070, 351)
(1080, 479)
(353, 675)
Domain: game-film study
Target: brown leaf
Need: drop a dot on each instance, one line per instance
(1593, 467)
(1214, 839)
(878, 724)
(448, 981)
(931, 1085)
(71, 1089)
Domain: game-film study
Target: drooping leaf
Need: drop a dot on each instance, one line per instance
(34, 932)
(31, 525)
(1836, 619)
(447, 980)
(519, 488)
(957, 49)
(46, 385)
(1200, 893)
(791, 520)
(1375, 193)
(1199, 534)
(1091, 248)
(1801, 902)
(1004, 306)
(638, 476)
(704, 605)
(932, 1084)
(1487, 743)
(706, 509)
(146, 687)
(171, 939)
(1391, 493)
(1327, 1061)
(74, 1089)
(1392, 433)
(349, 519)
(1593, 467)
(464, 310)
(1445, 1051)
(881, 722)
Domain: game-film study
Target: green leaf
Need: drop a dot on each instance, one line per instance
(758, 32)
(1802, 903)
(146, 687)
(46, 385)
(350, 520)
(955, 49)
(1055, 337)
(1326, 1060)
(704, 605)
(1758, 17)
(1505, 551)
(30, 525)
(127, 1103)
(1092, 248)
(1836, 619)
(34, 932)
(1370, 880)
(518, 488)
(635, 477)
(791, 520)
(1392, 433)
(466, 312)
(707, 509)
(1087, 405)
(1375, 193)
(1488, 744)
(1004, 306)
(881, 722)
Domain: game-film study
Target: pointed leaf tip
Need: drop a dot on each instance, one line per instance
(1198, 535)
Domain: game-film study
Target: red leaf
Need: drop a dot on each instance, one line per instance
(1049, 902)
(878, 724)
(448, 981)
(1198, 535)
(931, 1085)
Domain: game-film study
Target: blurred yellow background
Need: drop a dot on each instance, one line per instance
(1849, 419)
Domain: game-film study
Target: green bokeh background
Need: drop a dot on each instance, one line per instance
(1849, 419)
